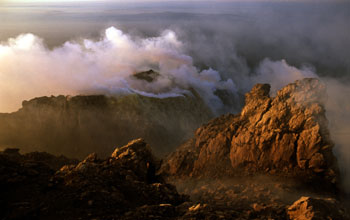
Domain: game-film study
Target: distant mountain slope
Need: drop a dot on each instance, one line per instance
(77, 126)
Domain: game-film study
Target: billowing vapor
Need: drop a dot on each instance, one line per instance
(338, 114)
(279, 73)
(29, 69)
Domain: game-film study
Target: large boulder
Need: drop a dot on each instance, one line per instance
(286, 134)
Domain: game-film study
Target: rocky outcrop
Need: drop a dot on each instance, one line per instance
(113, 188)
(286, 134)
(148, 76)
(307, 208)
(76, 126)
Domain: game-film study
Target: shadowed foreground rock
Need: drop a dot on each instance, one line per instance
(125, 186)
(286, 135)
(114, 188)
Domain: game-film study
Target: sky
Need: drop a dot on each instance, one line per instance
(124, 1)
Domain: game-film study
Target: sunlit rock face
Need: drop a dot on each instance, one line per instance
(308, 208)
(77, 126)
(286, 134)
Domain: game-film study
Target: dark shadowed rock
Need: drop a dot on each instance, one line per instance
(137, 156)
(13, 151)
(91, 189)
(148, 76)
(286, 134)
(51, 161)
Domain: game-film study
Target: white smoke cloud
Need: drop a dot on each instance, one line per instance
(29, 69)
(279, 74)
(338, 114)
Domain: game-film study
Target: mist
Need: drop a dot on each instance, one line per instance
(29, 69)
(201, 46)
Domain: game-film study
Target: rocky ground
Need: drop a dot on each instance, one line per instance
(272, 161)
(126, 186)
(112, 188)
(260, 197)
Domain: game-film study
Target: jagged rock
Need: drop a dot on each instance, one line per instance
(286, 134)
(137, 155)
(307, 208)
(91, 189)
(148, 76)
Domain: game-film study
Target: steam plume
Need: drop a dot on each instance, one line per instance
(28, 69)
